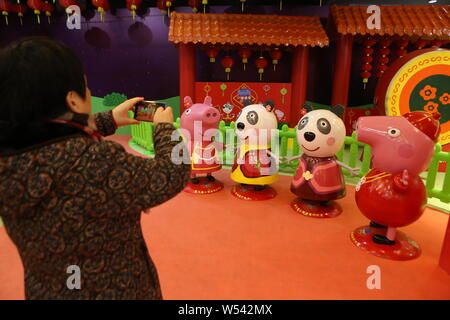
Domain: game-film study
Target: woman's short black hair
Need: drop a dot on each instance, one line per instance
(35, 76)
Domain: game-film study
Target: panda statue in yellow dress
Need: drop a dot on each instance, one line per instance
(255, 167)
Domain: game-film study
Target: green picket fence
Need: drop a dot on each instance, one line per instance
(353, 153)
(440, 192)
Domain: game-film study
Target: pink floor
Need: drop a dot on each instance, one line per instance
(218, 247)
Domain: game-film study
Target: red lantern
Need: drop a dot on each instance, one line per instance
(245, 53)
(67, 3)
(261, 63)
(37, 6)
(419, 44)
(20, 9)
(437, 43)
(367, 59)
(6, 7)
(275, 55)
(227, 62)
(48, 9)
(102, 7)
(194, 4)
(133, 5)
(212, 53)
(402, 51)
(384, 59)
(161, 5)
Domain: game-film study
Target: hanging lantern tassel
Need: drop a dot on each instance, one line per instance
(281, 5)
(48, 8)
(37, 13)
(367, 59)
(242, 5)
(102, 12)
(168, 5)
(275, 55)
(133, 10)
(204, 3)
(227, 63)
(5, 14)
(261, 63)
(20, 9)
(245, 53)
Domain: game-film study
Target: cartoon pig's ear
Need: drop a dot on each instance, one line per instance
(269, 105)
(308, 107)
(338, 110)
(187, 102)
(208, 101)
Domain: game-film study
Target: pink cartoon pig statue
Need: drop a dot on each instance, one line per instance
(200, 122)
(392, 194)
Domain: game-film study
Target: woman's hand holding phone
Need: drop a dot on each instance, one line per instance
(120, 113)
(121, 117)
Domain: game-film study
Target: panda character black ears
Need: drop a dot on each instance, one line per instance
(247, 102)
(308, 107)
(269, 105)
(338, 109)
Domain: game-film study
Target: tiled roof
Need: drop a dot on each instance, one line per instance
(428, 21)
(248, 29)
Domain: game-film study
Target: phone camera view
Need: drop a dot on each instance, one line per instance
(145, 110)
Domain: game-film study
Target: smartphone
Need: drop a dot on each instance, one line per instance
(145, 110)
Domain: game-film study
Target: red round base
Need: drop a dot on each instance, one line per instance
(204, 186)
(404, 249)
(247, 192)
(309, 209)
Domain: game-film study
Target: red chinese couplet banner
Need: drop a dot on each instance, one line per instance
(229, 97)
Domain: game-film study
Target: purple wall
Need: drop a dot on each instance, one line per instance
(135, 57)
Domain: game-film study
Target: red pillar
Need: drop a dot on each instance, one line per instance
(187, 72)
(342, 67)
(445, 253)
(299, 77)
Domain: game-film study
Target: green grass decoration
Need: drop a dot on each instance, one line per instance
(113, 99)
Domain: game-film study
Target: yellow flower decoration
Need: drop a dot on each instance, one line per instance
(431, 107)
(307, 175)
(445, 98)
(428, 93)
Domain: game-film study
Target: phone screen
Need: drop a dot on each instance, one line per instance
(145, 110)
